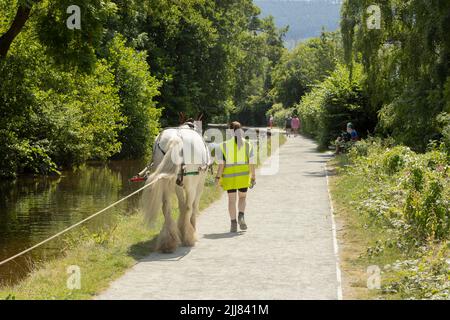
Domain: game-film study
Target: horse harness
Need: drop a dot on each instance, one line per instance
(183, 172)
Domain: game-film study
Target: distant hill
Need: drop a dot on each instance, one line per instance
(305, 18)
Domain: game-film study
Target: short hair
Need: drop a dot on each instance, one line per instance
(235, 125)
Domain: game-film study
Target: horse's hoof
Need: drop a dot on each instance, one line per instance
(167, 249)
(189, 244)
(170, 247)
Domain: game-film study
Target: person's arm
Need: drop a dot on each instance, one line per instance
(252, 162)
(252, 171)
(219, 173)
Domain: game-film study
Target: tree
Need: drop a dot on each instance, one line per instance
(259, 51)
(339, 99)
(407, 63)
(137, 90)
(305, 66)
(18, 22)
(68, 47)
(206, 56)
(206, 53)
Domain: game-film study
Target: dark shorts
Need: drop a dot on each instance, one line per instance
(240, 190)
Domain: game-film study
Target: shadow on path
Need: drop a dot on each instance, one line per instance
(318, 174)
(179, 254)
(225, 235)
(142, 249)
(146, 251)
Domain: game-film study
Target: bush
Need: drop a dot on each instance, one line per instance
(413, 118)
(424, 278)
(327, 109)
(280, 114)
(416, 186)
(395, 159)
(402, 198)
(52, 116)
(427, 209)
(137, 90)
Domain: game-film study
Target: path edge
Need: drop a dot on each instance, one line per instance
(335, 241)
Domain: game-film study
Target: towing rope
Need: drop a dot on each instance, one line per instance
(93, 215)
(79, 223)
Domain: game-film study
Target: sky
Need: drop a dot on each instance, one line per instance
(305, 18)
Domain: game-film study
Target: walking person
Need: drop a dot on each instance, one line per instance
(295, 125)
(236, 174)
(288, 126)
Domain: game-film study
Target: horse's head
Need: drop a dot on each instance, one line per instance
(190, 122)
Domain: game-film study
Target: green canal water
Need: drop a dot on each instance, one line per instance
(34, 208)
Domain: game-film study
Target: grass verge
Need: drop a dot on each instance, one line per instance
(379, 238)
(353, 231)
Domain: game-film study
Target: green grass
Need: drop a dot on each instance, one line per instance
(357, 233)
(102, 256)
(363, 242)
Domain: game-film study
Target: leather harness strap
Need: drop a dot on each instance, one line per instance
(160, 149)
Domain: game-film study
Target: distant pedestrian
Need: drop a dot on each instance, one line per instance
(295, 123)
(353, 134)
(346, 137)
(271, 122)
(288, 126)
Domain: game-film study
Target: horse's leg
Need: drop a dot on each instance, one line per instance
(198, 196)
(182, 208)
(168, 239)
(188, 235)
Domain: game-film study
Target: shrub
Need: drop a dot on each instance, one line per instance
(416, 186)
(395, 159)
(427, 208)
(412, 118)
(327, 109)
(280, 114)
(137, 91)
(79, 114)
(424, 278)
(52, 116)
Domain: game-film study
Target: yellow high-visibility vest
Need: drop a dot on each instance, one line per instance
(236, 172)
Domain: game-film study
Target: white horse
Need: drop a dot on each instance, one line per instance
(181, 160)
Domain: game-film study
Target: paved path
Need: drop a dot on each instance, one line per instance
(287, 252)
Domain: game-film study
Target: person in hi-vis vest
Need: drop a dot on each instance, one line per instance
(236, 173)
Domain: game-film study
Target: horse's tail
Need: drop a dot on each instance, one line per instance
(163, 180)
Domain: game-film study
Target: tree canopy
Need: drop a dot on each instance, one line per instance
(407, 63)
(103, 90)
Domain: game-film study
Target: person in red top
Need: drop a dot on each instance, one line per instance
(295, 123)
(271, 122)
